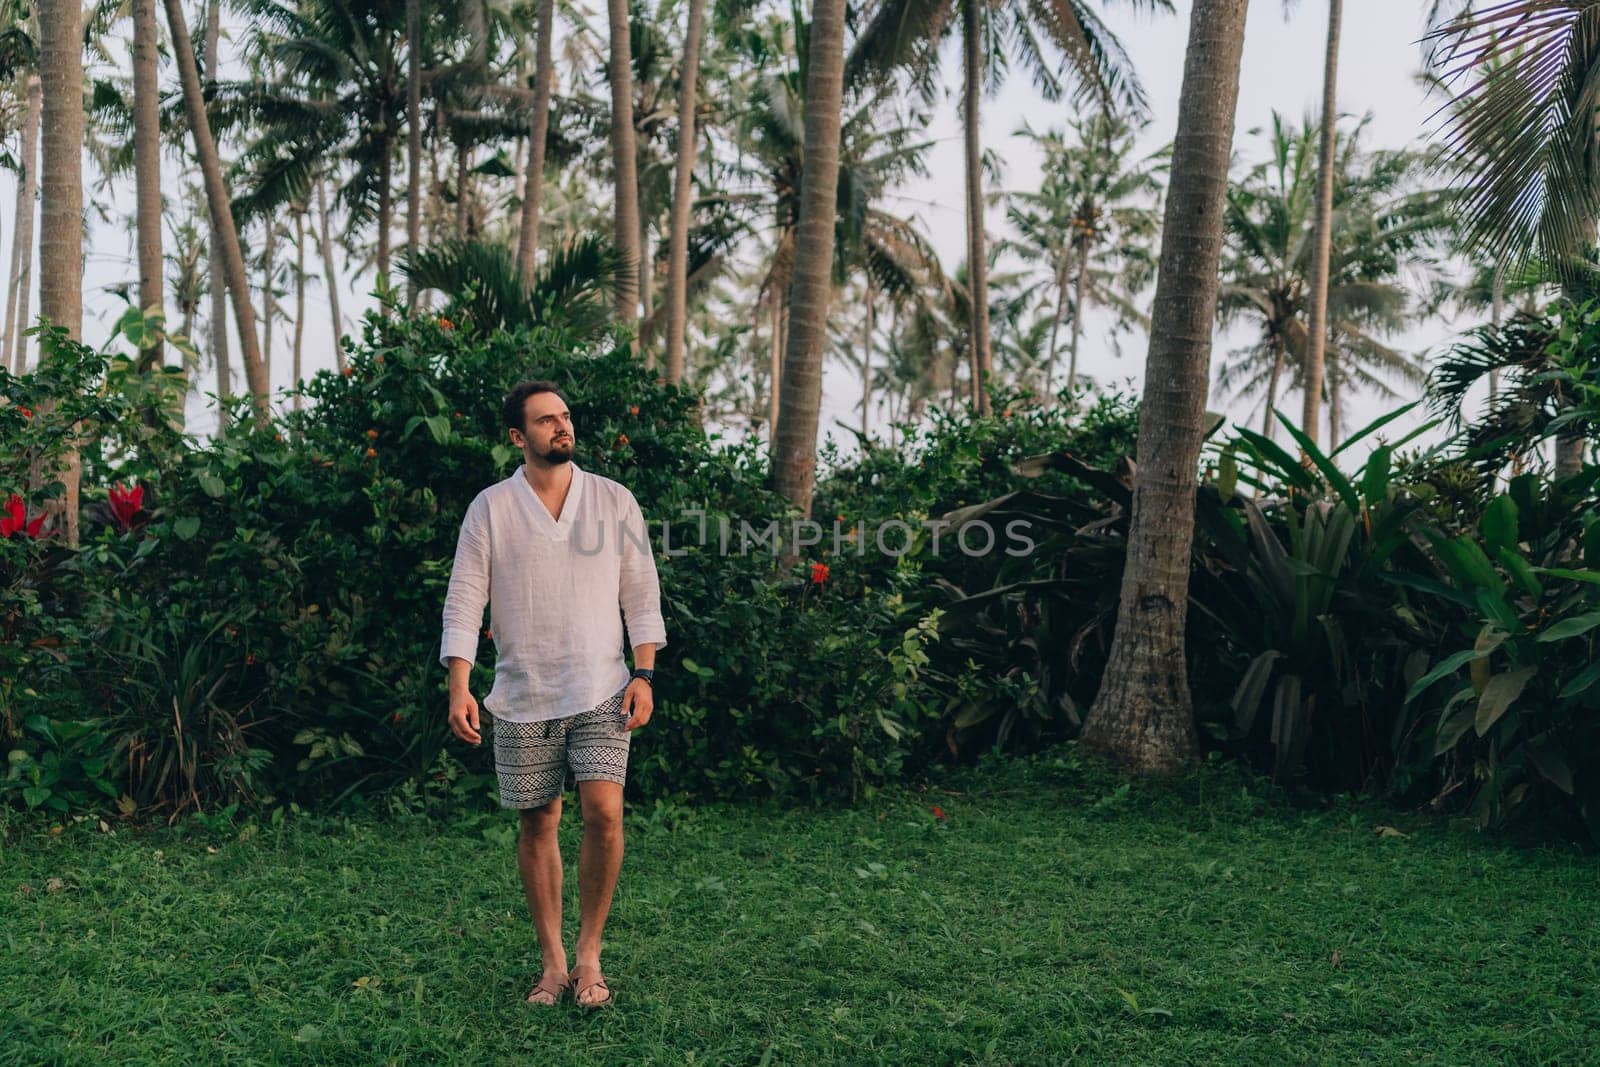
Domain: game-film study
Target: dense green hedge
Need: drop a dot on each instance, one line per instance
(262, 628)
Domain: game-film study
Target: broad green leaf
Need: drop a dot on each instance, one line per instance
(1450, 664)
(1520, 569)
(1454, 722)
(212, 485)
(1333, 474)
(1499, 524)
(186, 527)
(1587, 677)
(1227, 474)
(1502, 690)
(1375, 477)
(1573, 627)
(1247, 697)
(1373, 427)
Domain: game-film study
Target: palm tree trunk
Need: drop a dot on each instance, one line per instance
(61, 216)
(1078, 293)
(1334, 407)
(1272, 387)
(776, 370)
(977, 255)
(329, 272)
(147, 165)
(647, 294)
(214, 266)
(1143, 717)
(21, 283)
(683, 195)
(544, 74)
(1497, 311)
(385, 204)
(866, 360)
(461, 191)
(1055, 328)
(238, 281)
(795, 459)
(625, 164)
(299, 296)
(413, 141)
(269, 305)
(1317, 327)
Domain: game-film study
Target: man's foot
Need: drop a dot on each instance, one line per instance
(589, 987)
(550, 987)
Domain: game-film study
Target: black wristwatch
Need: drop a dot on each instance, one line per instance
(647, 673)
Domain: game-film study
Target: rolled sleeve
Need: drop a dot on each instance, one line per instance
(639, 593)
(468, 592)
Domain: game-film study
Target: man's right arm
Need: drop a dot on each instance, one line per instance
(467, 595)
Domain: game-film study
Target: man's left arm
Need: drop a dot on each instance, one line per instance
(639, 597)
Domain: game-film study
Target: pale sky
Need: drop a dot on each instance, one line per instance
(1282, 69)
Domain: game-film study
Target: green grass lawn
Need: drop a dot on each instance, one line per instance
(1047, 916)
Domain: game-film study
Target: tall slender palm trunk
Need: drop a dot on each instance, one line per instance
(299, 296)
(544, 76)
(795, 457)
(21, 282)
(1267, 422)
(1335, 408)
(330, 272)
(625, 163)
(147, 165)
(269, 302)
(1143, 717)
(413, 141)
(1079, 294)
(683, 194)
(1317, 324)
(214, 268)
(866, 358)
(221, 210)
(61, 215)
(775, 376)
(1497, 312)
(1055, 328)
(977, 253)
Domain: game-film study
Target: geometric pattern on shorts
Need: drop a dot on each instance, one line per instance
(531, 759)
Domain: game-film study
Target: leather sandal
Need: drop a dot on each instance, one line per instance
(579, 986)
(548, 985)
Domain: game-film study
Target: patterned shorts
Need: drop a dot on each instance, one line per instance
(531, 758)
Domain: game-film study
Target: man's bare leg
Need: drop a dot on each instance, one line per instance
(539, 861)
(599, 860)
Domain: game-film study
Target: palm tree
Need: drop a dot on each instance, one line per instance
(538, 134)
(795, 446)
(214, 266)
(1382, 227)
(683, 194)
(220, 208)
(1092, 223)
(624, 160)
(147, 164)
(1143, 717)
(905, 34)
(1520, 132)
(1317, 327)
(61, 205)
(20, 281)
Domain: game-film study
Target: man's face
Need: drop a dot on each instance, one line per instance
(547, 429)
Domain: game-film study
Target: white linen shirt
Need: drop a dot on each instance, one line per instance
(554, 591)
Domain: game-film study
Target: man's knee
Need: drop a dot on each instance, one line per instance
(602, 806)
(541, 822)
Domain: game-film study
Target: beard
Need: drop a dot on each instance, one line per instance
(559, 452)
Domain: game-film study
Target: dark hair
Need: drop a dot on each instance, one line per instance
(512, 410)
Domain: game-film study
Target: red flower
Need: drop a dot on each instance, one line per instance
(347, 372)
(15, 518)
(27, 412)
(634, 410)
(125, 503)
(622, 439)
(819, 573)
(398, 718)
(938, 812)
(250, 660)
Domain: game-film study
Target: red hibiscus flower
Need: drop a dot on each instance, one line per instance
(15, 518)
(938, 812)
(125, 503)
(819, 573)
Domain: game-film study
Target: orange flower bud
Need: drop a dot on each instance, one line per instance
(371, 452)
(372, 435)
